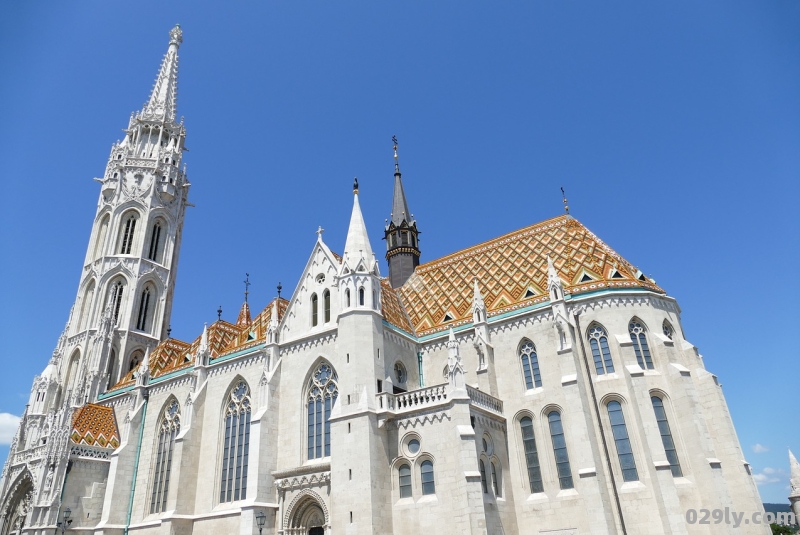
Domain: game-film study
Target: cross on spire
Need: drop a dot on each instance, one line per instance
(564, 195)
(246, 286)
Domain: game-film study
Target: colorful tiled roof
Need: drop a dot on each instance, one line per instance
(223, 338)
(512, 273)
(95, 425)
(393, 310)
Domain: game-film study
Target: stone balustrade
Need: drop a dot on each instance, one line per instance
(484, 400)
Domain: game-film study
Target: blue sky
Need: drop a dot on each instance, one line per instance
(674, 127)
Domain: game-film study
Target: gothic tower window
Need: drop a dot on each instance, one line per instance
(115, 298)
(135, 360)
(236, 445)
(560, 450)
(112, 360)
(143, 317)
(622, 442)
(666, 436)
(531, 455)
(128, 233)
(668, 330)
(326, 303)
(636, 330)
(598, 340)
(72, 371)
(314, 309)
(322, 393)
(495, 481)
(100, 240)
(361, 297)
(86, 306)
(530, 365)
(482, 469)
(347, 297)
(426, 473)
(154, 250)
(168, 429)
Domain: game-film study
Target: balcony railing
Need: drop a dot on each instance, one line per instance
(484, 400)
(431, 396)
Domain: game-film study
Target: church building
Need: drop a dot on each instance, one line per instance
(537, 383)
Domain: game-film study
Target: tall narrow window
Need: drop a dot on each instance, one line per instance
(482, 469)
(326, 304)
(361, 297)
(667, 328)
(622, 441)
(127, 235)
(100, 241)
(531, 455)
(236, 445)
(405, 481)
(86, 307)
(639, 340)
(598, 340)
(168, 429)
(530, 365)
(560, 450)
(144, 308)
(322, 393)
(426, 471)
(347, 297)
(666, 436)
(116, 299)
(314, 309)
(155, 242)
(495, 481)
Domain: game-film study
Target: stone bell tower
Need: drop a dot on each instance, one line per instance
(400, 233)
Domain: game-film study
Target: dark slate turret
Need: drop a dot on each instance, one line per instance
(401, 234)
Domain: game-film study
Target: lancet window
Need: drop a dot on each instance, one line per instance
(666, 436)
(236, 445)
(128, 230)
(636, 330)
(622, 441)
(155, 242)
(168, 429)
(144, 309)
(116, 299)
(323, 390)
(530, 365)
(531, 455)
(326, 303)
(428, 484)
(314, 309)
(598, 340)
(404, 475)
(560, 450)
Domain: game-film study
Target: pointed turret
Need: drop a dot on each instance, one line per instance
(554, 283)
(357, 246)
(244, 315)
(478, 306)
(163, 103)
(401, 234)
(794, 482)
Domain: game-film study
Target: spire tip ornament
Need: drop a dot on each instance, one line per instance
(176, 35)
(564, 195)
(355, 185)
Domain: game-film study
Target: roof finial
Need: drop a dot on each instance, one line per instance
(246, 286)
(280, 287)
(355, 185)
(219, 313)
(396, 161)
(564, 195)
(176, 35)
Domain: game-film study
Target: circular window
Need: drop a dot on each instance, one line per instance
(413, 446)
(320, 278)
(400, 373)
(488, 447)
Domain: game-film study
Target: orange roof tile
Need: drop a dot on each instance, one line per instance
(95, 425)
(512, 273)
(393, 310)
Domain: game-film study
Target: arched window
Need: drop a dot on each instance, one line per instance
(560, 450)
(72, 371)
(144, 309)
(128, 230)
(531, 455)
(322, 393)
(598, 340)
(495, 481)
(666, 436)
(100, 240)
(136, 359)
(86, 306)
(155, 242)
(482, 469)
(326, 304)
(530, 365)
(404, 473)
(361, 297)
(668, 330)
(115, 298)
(314, 309)
(236, 445)
(426, 471)
(622, 441)
(347, 297)
(636, 330)
(168, 429)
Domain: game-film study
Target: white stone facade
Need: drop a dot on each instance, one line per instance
(407, 421)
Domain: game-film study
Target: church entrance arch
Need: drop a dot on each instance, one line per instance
(17, 508)
(307, 515)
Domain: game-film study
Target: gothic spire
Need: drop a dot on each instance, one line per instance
(357, 244)
(794, 477)
(399, 204)
(164, 97)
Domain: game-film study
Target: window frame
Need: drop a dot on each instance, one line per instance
(319, 400)
(623, 445)
(428, 487)
(601, 355)
(169, 426)
(565, 482)
(638, 335)
(532, 470)
(235, 442)
(529, 361)
(674, 464)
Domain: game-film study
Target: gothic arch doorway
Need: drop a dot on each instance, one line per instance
(17, 508)
(307, 515)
